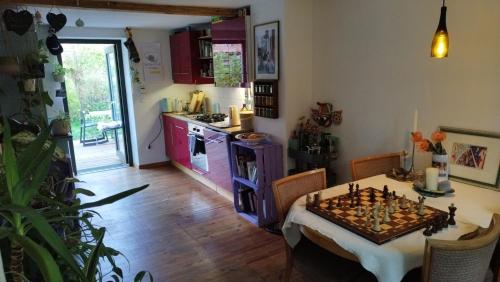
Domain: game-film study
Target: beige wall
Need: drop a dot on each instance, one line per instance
(371, 58)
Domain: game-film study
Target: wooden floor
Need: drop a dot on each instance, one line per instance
(180, 230)
(95, 156)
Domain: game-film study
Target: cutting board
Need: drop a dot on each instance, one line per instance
(199, 101)
(194, 100)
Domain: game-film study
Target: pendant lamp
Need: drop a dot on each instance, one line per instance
(440, 42)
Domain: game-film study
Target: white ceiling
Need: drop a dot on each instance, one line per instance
(115, 19)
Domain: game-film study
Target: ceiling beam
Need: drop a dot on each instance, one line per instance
(128, 6)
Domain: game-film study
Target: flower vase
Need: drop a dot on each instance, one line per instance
(441, 162)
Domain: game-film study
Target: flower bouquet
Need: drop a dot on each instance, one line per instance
(439, 155)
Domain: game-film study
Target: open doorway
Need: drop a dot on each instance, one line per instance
(96, 103)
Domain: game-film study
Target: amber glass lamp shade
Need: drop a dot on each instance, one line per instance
(440, 42)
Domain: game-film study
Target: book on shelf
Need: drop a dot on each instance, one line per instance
(246, 167)
(248, 200)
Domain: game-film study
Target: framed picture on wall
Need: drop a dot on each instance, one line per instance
(266, 47)
(474, 156)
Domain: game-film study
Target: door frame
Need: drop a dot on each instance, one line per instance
(117, 43)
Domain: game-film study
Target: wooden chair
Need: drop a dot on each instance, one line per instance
(286, 191)
(374, 165)
(461, 260)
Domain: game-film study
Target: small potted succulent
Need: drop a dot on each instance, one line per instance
(61, 125)
(59, 73)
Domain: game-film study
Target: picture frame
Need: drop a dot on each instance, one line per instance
(266, 51)
(474, 156)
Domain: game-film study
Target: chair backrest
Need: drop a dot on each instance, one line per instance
(465, 260)
(287, 190)
(374, 165)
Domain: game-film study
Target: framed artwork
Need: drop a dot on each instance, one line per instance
(474, 156)
(266, 47)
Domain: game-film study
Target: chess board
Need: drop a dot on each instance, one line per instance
(402, 221)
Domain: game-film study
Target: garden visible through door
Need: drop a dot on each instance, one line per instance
(95, 102)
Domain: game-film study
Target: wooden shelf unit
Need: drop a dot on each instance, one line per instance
(268, 159)
(266, 99)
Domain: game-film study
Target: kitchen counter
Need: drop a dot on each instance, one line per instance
(185, 117)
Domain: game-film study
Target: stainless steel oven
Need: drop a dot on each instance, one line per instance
(199, 161)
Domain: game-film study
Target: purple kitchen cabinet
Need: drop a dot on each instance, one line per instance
(169, 136)
(181, 143)
(217, 149)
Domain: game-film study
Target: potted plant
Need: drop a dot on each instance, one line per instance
(439, 154)
(61, 125)
(59, 73)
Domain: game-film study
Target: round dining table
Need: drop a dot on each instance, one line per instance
(390, 261)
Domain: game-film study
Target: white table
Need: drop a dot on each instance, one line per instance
(392, 260)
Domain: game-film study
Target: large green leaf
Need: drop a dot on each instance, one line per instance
(4, 232)
(111, 199)
(90, 268)
(36, 175)
(47, 233)
(10, 163)
(45, 262)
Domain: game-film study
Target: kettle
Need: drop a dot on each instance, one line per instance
(234, 116)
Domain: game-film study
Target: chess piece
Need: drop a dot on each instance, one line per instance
(439, 223)
(351, 190)
(376, 224)
(320, 194)
(358, 201)
(394, 194)
(330, 204)
(359, 212)
(385, 193)
(316, 200)
(396, 205)
(421, 209)
(390, 206)
(357, 191)
(444, 220)
(451, 219)
(352, 203)
(372, 195)
(357, 186)
(339, 203)
(387, 218)
(368, 219)
(367, 211)
(308, 200)
(427, 231)
(434, 228)
(403, 203)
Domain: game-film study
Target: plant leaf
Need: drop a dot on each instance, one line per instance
(33, 149)
(110, 199)
(83, 191)
(47, 233)
(4, 232)
(91, 264)
(10, 162)
(140, 275)
(45, 262)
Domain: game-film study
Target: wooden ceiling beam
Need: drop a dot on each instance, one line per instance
(128, 6)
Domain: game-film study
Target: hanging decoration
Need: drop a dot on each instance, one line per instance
(79, 23)
(53, 45)
(57, 22)
(132, 50)
(18, 22)
(440, 42)
(323, 115)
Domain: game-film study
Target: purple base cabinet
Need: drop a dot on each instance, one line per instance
(254, 168)
(217, 149)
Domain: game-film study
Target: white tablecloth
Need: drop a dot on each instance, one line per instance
(392, 260)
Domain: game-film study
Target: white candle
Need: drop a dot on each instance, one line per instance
(431, 178)
(415, 120)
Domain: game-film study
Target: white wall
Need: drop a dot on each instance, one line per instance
(372, 58)
(225, 96)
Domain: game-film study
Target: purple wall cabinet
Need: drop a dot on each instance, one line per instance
(217, 149)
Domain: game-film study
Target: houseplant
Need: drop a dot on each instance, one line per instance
(61, 125)
(56, 240)
(58, 73)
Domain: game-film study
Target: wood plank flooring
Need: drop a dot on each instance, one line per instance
(180, 230)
